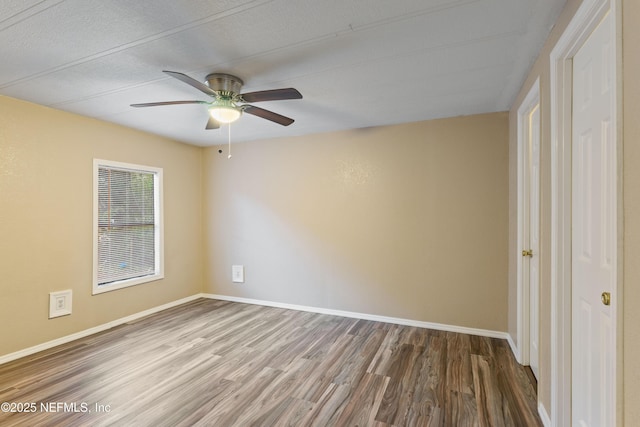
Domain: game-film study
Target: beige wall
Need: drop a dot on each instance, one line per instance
(631, 182)
(46, 161)
(631, 200)
(406, 221)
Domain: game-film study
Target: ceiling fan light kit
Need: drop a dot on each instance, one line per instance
(225, 111)
(224, 114)
(228, 103)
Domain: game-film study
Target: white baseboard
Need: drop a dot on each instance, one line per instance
(63, 340)
(395, 320)
(514, 349)
(364, 316)
(546, 421)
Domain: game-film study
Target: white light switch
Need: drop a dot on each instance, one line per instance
(59, 303)
(237, 273)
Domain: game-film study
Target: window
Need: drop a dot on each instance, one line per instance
(127, 225)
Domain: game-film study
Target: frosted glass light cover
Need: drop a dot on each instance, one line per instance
(224, 114)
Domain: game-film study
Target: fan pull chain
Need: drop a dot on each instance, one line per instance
(229, 134)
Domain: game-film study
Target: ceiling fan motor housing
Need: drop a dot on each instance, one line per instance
(224, 82)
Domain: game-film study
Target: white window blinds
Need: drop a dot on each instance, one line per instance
(127, 225)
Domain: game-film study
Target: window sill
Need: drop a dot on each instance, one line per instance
(121, 284)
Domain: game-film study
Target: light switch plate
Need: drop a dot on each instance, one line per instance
(60, 303)
(237, 273)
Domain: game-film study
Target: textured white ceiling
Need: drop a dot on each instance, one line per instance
(358, 63)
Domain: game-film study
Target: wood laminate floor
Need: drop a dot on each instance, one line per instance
(217, 363)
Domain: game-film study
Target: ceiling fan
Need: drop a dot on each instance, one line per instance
(228, 103)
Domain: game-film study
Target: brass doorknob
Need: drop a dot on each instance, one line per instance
(606, 298)
(528, 253)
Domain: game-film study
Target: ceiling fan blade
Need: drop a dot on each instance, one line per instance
(212, 124)
(156, 104)
(192, 82)
(272, 95)
(266, 114)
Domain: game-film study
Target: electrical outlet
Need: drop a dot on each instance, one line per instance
(60, 303)
(237, 273)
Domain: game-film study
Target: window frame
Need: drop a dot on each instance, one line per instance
(158, 221)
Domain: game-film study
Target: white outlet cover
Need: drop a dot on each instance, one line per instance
(60, 303)
(237, 273)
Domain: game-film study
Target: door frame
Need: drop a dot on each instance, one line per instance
(523, 296)
(585, 20)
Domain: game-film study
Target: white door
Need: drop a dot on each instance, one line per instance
(533, 184)
(529, 228)
(593, 230)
